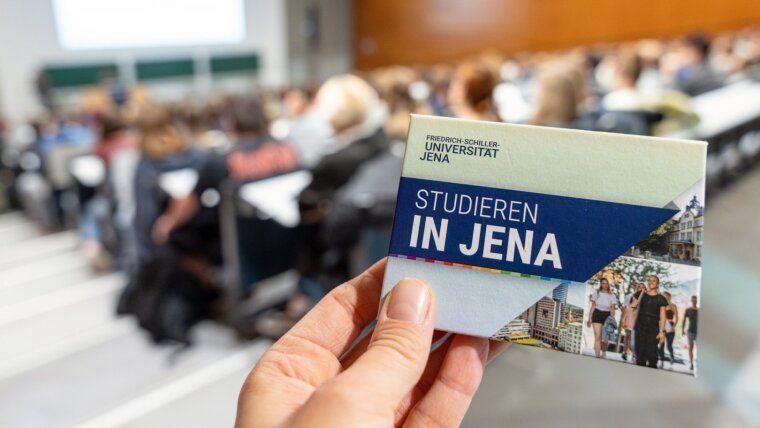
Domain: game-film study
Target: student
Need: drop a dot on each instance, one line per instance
(558, 96)
(629, 319)
(690, 317)
(356, 116)
(162, 149)
(624, 68)
(470, 92)
(650, 322)
(255, 156)
(693, 73)
(115, 137)
(161, 294)
(671, 319)
(603, 304)
(608, 333)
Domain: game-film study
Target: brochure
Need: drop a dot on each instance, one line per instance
(584, 242)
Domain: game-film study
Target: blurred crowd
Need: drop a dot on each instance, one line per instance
(200, 202)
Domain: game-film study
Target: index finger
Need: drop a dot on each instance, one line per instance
(328, 330)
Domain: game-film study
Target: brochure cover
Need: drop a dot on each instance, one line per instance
(584, 242)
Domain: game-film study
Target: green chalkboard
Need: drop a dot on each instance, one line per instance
(79, 75)
(163, 69)
(228, 64)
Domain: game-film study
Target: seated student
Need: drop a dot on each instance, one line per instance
(162, 150)
(164, 298)
(115, 137)
(309, 131)
(559, 96)
(693, 74)
(363, 208)
(255, 156)
(115, 140)
(356, 117)
(470, 92)
(624, 70)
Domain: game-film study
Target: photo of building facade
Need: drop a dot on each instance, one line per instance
(685, 234)
(571, 337)
(546, 324)
(517, 331)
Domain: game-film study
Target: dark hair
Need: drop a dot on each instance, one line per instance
(248, 116)
(478, 85)
(110, 124)
(699, 43)
(630, 65)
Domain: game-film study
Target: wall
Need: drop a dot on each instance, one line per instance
(329, 51)
(430, 31)
(29, 40)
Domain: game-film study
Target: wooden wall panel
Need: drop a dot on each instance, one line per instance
(431, 31)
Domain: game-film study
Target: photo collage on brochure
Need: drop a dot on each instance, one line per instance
(667, 260)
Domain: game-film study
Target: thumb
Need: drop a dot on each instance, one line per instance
(399, 348)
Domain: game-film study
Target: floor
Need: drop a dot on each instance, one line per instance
(67, 361)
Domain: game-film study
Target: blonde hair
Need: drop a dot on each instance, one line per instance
(159, 138)
(559, 95)
(346, 100)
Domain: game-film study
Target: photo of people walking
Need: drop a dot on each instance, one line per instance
(657, 310)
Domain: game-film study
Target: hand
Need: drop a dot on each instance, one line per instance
(588, 323)
(660, 337)
(161, 230)
(388, 379)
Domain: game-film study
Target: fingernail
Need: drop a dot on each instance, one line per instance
(409, 301)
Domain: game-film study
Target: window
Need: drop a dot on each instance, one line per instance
(699, 236)
(688, 225)
(688, 236)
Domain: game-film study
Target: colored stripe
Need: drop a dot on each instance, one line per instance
(459, 265)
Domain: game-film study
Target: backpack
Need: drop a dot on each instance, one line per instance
(166, 300)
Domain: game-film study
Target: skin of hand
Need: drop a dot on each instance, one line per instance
(179, 212)
(663, 323)
(161, 230)
(388, 379)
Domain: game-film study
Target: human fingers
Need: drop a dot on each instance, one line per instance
(370, 390)
(496, 348)
(305, 357)
(331, 326)
(449, 397)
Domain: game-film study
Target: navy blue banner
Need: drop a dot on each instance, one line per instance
(536, 234)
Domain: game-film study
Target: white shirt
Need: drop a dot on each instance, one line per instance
(604, 301)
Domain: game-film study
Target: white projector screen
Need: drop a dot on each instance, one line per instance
(109, 24)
